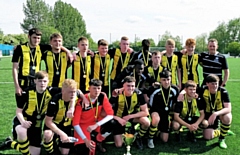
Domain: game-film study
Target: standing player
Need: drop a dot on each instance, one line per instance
(170, 61)
(88, 119)
(56, 61)
(81, 68)
(185, 112)
(145, 55)
(214, 62)
(121, 57)
(189, 63)
(101, 65)
(161, 104)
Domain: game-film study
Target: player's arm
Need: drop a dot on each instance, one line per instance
(69, 54)
(180, 120)
(201, 117)
(49, 123)
(226, 76)
(18, 89)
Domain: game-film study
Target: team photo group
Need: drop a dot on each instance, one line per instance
(74, 102)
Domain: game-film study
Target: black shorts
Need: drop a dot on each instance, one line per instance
(66, 129)
(163, 125)
(34, 134)
(192, 121)
(118, 129)
(216, 122)
(81, 149)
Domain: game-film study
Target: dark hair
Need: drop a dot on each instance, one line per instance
(102, 42)
(190, 83)
(41, 75)
(145, 42)
(129, 79)
(34, 31)
(212, 78)
(165, 74)
(95, 82)
(138, 62)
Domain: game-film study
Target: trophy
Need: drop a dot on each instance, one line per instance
(128, 139)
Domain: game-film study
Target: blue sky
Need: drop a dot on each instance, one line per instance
(140, 18)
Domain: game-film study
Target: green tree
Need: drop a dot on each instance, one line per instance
(69, 22)
(201, 43)
(21, 38)
(233, 28)
(221, 34)
(167, 35)
(47, 32)
(233, 48)
(36, 13)
(1, 36)
(114, 44)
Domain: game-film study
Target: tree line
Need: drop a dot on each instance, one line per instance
(67, 20)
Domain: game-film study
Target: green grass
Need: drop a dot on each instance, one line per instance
(8, 105)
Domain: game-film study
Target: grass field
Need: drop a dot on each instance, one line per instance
(8, 105)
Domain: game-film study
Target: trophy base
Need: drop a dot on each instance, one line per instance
(128, 150)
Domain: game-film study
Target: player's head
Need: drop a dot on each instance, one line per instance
(165, 78)
(34, 36)
(83, 44)
(190, 45)
(129, 85)
(95, 87)
(69, 88)
(212, 83)
(56, 41)
(156, 57)
(102, 47)
(138, 66)
(145, 44)
(41, 81)
(190, 88)
(124, 44)
(170, 45)
(212, 46)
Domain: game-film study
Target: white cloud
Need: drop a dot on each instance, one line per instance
(134, 19)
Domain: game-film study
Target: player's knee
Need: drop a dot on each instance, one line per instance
(118, 144)
(21, 131)
(144, 121)
(175, 125)
(48, 135)
(204, 124)
(226, 119)
(208, 134)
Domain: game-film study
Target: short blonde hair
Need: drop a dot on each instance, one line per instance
(69, 83)
(124, 38)
(170, 42)
(213, 40)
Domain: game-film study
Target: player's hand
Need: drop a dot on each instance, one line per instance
(89, 144)
(18, 91)
(70, 112)
(183, 51)
(212, 118)
(190, 127)
(156, 84)
(90, 52)
(179, 86)
(64, 138)
(126, 118)
(195, 126)
(122, 122)
(70, 56)
(85, 102)
(74, 55)
(26, 124)
(129, 50)
(92, 127)
(181, 95)
(116, 92)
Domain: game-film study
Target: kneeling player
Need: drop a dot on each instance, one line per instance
(185, 112)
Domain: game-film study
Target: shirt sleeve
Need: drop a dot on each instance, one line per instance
(141, 99)
(45, 47)
(107, 106)
(54, 90)
(77, 113)
(21, 100)
(178, 107)
(224, 63)
(52, 108)
(225, 96)
(17, 54)
(111, 52)
(200, 104)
